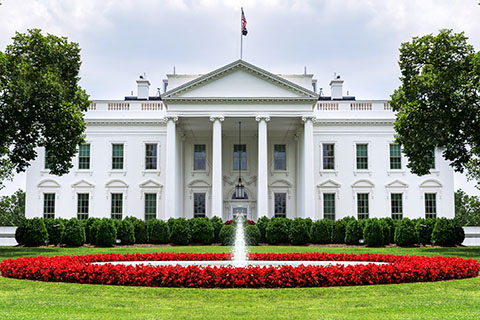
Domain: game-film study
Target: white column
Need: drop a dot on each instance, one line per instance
(217, 174)
(308, 169)
(171, 177)
(262, 177)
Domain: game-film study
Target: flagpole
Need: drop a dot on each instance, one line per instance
(241, 35)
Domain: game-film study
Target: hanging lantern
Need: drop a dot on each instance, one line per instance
(239, 190)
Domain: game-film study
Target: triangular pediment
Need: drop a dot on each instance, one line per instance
(83, 184)
(329, 184)
(397, 184)
(239, 80)
(150, 184)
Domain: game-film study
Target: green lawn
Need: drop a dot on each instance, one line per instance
(459, 299)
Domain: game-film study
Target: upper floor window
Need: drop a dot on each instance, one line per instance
(329, 206)
(328, 152)
(151, 158)
(395, 157)
(82, 206)
(396, 206)
(362, 156)
(240, 156)
(430, 205)
(280, 204)
(362, 206)
(49, 205)
(150, 206)
(48, 159)
(84, 156)
(117, 206)
(431, 159)
(199, 204)
(199, 157)
(117, 156)
(280, 157)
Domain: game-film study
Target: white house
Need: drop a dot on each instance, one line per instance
(300, 155)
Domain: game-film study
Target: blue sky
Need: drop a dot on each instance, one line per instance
(358, 39)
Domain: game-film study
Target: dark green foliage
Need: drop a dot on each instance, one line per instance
(170, 223)
(74, 234)
(106, 233)
(467, 209)
(140, 230)
(158, 231)
(12, 209)
(181, 233)
(321, 231)
(20, 232)
(405, 234)
(424, 229)
(116, 223)
(309, 223)
(227, 235)
(353, 232)
(386, 231)
(277, 231)
(35, 232)
(126, 232)
(55, 230)
(252, 235)
(447, 232)
(299, 233)
(88, 227)
(217, 224)
(339, 229)
(262, 224)
(202, 230)
(373, 233)
(459, 232)
(94, 231)
(391, 229)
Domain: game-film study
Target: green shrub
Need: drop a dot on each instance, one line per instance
(262, 224)
(140, 230)
(339, 228)
(180, 233)
(94, 231)
(252, 235)
(321, 231)
(447, 232)
(405, 234)
(459, 232)
(309, 223)
(353, 232)
(170, 223)
(299, 233)
(202, 230)
(386, 230)
(35, 232)
(217, 224)
(88, 227)
(227, 235)
(55, 230)
(126, 232)
(277, 231)
(106, 233)
(74, 234)
(20, 232)
(158, 231)
(424, 229)
(373, 234)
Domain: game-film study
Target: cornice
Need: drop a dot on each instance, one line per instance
(353, 122)
(125, 122)
(239, 100)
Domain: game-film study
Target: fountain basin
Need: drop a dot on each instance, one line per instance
(230, 263)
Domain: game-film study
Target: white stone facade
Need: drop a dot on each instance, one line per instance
(283, 113)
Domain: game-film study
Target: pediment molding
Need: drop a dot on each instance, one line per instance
(329, 184)
(197, 183)
(281, 183)
(431, 183)
(83, 184)
(48, 183)
(364, 183)
(116, 183)
(150, 184)
(396, 184)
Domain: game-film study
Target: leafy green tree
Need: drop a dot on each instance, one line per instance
(12, 209)
(467, 209)
(438, 102)
(41, 102)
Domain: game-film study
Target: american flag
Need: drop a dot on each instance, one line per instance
(244, 24)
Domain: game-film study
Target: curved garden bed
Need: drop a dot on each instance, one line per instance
(80, 269)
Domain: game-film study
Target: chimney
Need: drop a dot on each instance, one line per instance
(142, 88)
(336, 86)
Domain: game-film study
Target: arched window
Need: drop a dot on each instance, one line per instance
(234, 197)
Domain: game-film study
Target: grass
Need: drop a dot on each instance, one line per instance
(459, 299)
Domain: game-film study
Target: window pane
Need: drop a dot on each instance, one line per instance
(84, 156)
(48, 159)
(430, 205)
(49, 205)
(362, 156)
(200, 156)
(395, 157)
(329, 206)
(362, 206)
(150, 206)
(280, 157)
(199, 204)
(432, 160)
(328, 156)
(82, 206)
(117, 156)
(117, 205)
(396, 206)
(240, 155)
(151, 156)
(280, 205)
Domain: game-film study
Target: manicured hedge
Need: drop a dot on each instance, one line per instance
(126, 232)
(277, 231)
(74, 234)
(299, 232)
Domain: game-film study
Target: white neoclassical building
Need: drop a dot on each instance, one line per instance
(178, 154)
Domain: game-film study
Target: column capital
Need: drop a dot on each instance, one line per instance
(260, 118)
(171, 118)
(217, 117)
(308, 118)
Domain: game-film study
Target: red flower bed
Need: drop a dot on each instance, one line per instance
(400, 269)
(250, 222)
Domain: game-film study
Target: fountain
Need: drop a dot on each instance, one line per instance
(239, 249)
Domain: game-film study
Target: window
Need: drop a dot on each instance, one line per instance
(328, 151)
(117, 205)
(199, 205)
(150, 156)
(48, 159)
(280, 157)
(82, 206)
(395, 157)
(280, 204)
(396, 204)
(362, 156)
(362, 206)
(329, 206)
(117, 156)
(150, 206)
(431, 160)
(199, 157)
(49, 205)
(430, 205)
(240, 156)
(84, 156)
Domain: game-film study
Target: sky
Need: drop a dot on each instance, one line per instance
(357, 39)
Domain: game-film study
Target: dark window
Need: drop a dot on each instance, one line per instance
(362, 156)
(397, 206)
(82, 206)
(329, 206)
(117, 205)
(431, 160)
(430, 205)
(199, 157)
(280, 204)
(151, 156)
(328, 156)
(280, 157)
(150, 206)
(239, 156)
(84, 156)
(49, 161)
(199, 204)
(362, 206)
(117, 156)
(49, 205)
(395, 157)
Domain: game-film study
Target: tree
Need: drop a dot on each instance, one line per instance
(12, 209)
(467, 209)
(41, 103)
(438, 102)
